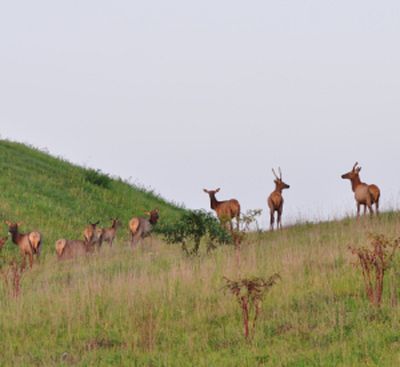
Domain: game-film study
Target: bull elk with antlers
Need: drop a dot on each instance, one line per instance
(365, 194)
(29, 243)
(275, 200)
(226, 210)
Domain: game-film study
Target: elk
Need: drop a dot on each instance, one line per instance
(226, 210)
(109, 234)
(3, 242)
(29, 243)
(275, 200)
(68, 249)
(140, 227)
(89, 232)
(365, 194)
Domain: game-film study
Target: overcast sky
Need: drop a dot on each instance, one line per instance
(185, 95)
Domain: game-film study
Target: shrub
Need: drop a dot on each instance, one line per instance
(192, 228)
(96, 177)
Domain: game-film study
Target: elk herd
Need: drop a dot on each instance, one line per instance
(139, 227)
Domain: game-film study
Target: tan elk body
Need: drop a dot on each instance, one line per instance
(275, 200)
(109, 234)
(29, 243)
(226, 210)
(140, 227)
(68, 249)
(90, 231)
(365, 194)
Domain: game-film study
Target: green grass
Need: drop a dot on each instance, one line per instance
(156, 307)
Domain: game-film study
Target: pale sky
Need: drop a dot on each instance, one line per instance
(184, 95)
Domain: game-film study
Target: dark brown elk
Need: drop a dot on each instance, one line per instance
(89, 232)
(365, 194)
(29, 243)
(3, 242)
(109, 234)
(69, 249)
(226, 210)
(140, 227)
(275, 200)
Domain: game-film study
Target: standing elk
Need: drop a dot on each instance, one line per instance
(275, 200)
(109, 234)
(90, 231)
(140, 227)
(68, 249)
(3, 242)
(29, 243)
(226, 210)
(365, 194)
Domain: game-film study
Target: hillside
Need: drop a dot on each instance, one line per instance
(59, 198)
(157, 307)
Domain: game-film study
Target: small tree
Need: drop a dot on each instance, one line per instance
(374, 262)
(192, 228)
(249, 293)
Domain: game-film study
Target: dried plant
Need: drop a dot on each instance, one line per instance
(374, 262)
(12, 276)
(249, 293)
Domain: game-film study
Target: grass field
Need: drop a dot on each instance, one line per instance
(157, 307)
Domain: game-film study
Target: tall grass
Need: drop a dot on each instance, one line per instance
(156, 307)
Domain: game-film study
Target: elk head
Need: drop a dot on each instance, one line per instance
(211, 192)
(280, 185)
(154, 216)
(351, 175)
(12, 227)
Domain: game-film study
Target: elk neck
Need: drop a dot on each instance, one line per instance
(278, 188)
(16, 236)
(355, 181)
(213, 201)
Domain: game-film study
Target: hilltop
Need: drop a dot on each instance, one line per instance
(59, 198)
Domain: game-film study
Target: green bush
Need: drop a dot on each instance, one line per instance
(96, 177)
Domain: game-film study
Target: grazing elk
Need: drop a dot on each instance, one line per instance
(3, 242)
(29, 243)
(109, 234)
(90, 231)
(68, 249)
(365, 194)
(140, 227)
(226, 210)
(275, 200)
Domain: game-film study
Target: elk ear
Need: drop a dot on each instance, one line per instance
(217, 190)
(358, 169)
(147, 213)
(7, 222)
(19, 223)
(206, 191)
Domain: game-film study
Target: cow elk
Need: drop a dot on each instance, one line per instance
(29, 243)
(275, 200)
(90, 231)
(68, 249)
(109, 234)
(365, 194)
(226, 210)
(140, 227)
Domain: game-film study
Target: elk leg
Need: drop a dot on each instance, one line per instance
(272, 220)
(280, 218)
(358, 210)
(365, 209)
(31, 260)
(377, 207)
(237, 222)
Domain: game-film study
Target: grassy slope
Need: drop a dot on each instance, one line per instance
(157, 308)
(53, 196)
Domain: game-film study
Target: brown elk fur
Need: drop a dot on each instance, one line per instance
(141, 227)
(365, 194)
(275, 200)
(89, 231)
(226, 210)
(68, 249)
(29, 243)
(109, 234)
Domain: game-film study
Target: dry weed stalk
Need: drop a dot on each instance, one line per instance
(374, 262)
(249, 293)
(12, 276)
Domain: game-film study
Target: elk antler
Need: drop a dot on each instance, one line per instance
(273, 171)
(355, 165)
(280, 173)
